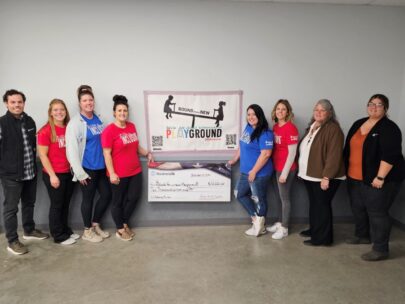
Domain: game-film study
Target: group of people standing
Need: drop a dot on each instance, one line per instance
(370, 159)
(103, 159)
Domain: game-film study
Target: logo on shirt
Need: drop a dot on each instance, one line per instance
(268, 143)
(294, 138)
(245, 137)
(95, 129)
(128, 138)
(61, 141)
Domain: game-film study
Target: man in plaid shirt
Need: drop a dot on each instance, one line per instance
(18, 170)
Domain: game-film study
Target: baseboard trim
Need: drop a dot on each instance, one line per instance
(218, 222)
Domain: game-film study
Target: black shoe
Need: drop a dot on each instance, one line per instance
(357, 240)
(305, 233)
(309, 243)
(373, 256)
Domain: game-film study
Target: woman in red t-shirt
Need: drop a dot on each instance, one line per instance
(56, 171)
(121, 149)
(285, 150)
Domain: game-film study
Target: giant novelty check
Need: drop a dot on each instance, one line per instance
(189, 182)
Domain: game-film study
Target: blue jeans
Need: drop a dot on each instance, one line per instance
(253, 196)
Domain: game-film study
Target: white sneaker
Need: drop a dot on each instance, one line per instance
(259, 224)
(101, 232)
(274, 227)
(91, 236)
(257, 227)
(69, 241)
(252, 232)
(75, 236)
(280, 233)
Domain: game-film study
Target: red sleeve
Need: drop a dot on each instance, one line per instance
(292, 137)
(107, 137)
(44, 136)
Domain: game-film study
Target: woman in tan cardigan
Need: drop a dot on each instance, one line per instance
(321, 167)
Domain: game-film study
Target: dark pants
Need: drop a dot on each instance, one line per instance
(13, 192)
(320, 211)
(370, 208)
(59, 209)
(98, 181)
(124, 198)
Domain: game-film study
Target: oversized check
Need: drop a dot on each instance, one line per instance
(189, 182)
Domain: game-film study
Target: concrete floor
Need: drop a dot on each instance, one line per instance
(204, 264)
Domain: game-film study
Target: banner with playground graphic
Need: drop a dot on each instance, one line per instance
(193, 121)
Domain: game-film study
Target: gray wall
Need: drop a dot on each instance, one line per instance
(301, 52)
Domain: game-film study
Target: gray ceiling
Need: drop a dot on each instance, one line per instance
(348, 2)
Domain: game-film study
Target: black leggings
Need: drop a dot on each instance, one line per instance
(98, 181)
(124, 197)
(59, 209)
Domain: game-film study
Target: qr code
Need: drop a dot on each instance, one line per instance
(231, 139)
(157, 141)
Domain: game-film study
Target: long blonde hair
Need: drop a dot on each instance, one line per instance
(50, 119)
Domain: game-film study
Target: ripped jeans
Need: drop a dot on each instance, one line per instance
(253, 196)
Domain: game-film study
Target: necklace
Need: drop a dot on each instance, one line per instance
(312, 132)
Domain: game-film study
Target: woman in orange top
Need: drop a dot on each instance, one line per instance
(375, 169)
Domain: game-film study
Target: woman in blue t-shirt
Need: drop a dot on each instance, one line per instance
(255, 146)
(85, 155)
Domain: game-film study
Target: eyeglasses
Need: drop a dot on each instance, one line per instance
(375, 105)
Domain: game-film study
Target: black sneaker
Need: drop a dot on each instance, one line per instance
(17, 248)
(357, 240)
(373, 256)
(35, 234)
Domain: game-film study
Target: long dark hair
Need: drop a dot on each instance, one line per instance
(262, 124)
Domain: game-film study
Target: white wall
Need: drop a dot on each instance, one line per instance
(398, 208)
(301, 52)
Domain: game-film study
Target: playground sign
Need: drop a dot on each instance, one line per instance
(193, 121)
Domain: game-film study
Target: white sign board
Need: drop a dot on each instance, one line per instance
(189, 182)
(193, 121)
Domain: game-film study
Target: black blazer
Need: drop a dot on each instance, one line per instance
(383, 142)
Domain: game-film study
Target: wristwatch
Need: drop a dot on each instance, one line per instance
(380, 178)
